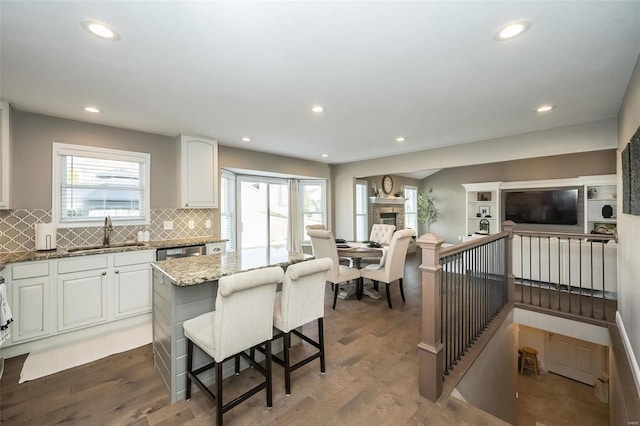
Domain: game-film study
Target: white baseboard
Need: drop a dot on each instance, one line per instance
(633, 361)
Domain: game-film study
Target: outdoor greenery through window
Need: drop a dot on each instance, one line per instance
(411, 207)
(92, 183)
(362, 231)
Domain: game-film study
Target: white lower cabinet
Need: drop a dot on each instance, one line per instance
(68, 294)
(30, 300)
(82, 299)
(132, 283)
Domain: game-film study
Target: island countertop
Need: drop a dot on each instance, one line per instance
(191, 270)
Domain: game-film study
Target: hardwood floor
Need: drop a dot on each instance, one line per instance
(372, 378)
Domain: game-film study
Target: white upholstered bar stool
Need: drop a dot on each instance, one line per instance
(300, 302)
(243, 319)
(393, 268)
(324, 246)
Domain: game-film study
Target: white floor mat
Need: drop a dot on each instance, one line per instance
(42, 363)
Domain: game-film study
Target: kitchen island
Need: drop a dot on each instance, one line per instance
(184, 288)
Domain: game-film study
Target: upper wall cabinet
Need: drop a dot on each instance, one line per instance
(198, 172)
(5, 157)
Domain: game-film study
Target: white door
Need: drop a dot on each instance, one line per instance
(31, 308)
(132, 290)
(573, 358)
(82, 299)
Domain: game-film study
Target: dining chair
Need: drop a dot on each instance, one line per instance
(393, 268)
(343, 260)
(243, 319)
(324, 246)
(300, 302)
(381, 233)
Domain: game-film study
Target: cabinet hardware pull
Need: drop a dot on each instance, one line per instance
(104, 273)
(117, 272)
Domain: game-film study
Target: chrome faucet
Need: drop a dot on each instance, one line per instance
(108, 227)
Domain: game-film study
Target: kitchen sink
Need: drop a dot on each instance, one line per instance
(101, 247)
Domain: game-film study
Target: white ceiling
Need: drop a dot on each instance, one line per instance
(429, 71)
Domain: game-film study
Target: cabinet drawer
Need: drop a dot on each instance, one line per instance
(83, 263)
(30, 270)
(134, 258)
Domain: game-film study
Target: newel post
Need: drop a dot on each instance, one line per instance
(430, 356)
(507, 226)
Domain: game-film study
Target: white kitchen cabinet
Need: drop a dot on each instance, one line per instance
(132, 283)
(30, 301)
(5, 157)
(198, 172)
(216, 248)
(482, 210)
(82, 299)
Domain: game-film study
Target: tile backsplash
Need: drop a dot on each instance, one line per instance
(17, 231)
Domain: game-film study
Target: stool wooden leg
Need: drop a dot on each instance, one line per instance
(321, 344)
(535, 366)
(287, 362)
(219, 404)
(189, 368)
(522, 362)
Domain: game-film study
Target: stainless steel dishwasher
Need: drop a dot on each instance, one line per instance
(173, 252)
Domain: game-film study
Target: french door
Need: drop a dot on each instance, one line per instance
(263, 206)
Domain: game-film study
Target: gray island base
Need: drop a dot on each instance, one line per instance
(184, 288)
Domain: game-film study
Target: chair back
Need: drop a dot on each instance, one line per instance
(324, 246)
(302, 298)
(244, 310)
(320, 226)
(382, 233)
(397, 254)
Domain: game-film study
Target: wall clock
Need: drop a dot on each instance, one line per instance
(387, 184)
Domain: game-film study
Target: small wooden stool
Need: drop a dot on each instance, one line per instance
(529, 354)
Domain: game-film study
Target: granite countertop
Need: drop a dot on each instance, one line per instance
(26, 256)
(186, 271)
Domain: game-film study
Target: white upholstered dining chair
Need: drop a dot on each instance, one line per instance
(393, 269)
(324, 246)
(243, 319)
(382, 233)
(301, 302)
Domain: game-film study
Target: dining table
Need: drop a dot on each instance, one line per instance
(357, 250)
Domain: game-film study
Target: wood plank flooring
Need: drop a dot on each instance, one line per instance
(372, 378)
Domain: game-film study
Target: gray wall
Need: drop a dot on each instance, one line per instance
(491, 382)
(32, 138)
(450, 194)
(629, 232)
(586, 137)
(34, 133)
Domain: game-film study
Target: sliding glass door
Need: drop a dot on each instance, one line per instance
(264, 218)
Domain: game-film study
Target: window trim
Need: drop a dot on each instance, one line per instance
(406, 212)
(101, 153)
(304, 239)
(365, 183)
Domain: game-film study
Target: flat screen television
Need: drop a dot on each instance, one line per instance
(547, 207)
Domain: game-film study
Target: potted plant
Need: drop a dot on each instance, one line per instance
(427, 210)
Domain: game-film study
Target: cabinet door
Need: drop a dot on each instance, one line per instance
(132, 285)
(199, 173)
(82, 299)
(30, 304)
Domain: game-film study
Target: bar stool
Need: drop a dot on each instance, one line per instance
(243, 319)
(531, 355)
(300, 302)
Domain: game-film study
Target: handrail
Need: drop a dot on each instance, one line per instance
(603, 237)
(476, 242)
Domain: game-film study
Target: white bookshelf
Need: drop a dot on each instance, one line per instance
(482, 199)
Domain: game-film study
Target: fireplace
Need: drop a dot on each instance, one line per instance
(387, 210)
(389, 218)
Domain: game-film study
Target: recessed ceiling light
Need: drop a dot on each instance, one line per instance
(246, 139)
(511, 30)
(325, 155)
(400, 139)
(91, 109)
(317, 108)
(545, 108)
(100, 29)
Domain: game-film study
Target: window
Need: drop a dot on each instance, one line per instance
(411, 207)
(228, 209)
(314, 205)
(362, 221)
(90, 183)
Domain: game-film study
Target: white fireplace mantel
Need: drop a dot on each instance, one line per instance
(386, 200)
